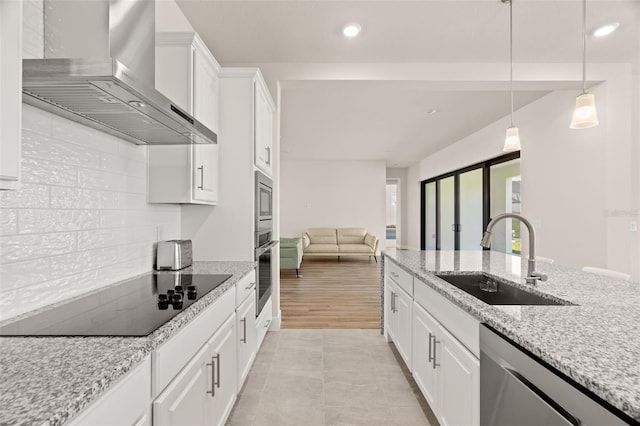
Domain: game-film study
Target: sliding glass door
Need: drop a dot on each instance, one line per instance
(458, 206)
(470, 226)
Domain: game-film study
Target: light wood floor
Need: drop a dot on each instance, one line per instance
(331, 294)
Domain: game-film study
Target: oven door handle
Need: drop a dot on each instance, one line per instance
(266, 247)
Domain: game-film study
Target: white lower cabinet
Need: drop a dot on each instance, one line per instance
(185, 401)
(399, 315)
(439, 342)
(459, 382)
(446, 372)
(425, 328)
(246, 336)
(223, 346)
(205, 390)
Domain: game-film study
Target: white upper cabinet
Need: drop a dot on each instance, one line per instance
(187, 73)
(10, 92)
(263, 128)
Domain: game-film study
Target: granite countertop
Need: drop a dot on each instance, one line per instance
(47, 380)
(596, 343)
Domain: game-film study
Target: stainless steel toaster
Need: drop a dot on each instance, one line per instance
(174, 254)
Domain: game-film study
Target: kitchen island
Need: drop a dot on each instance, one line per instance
(595, 341)
(47, 380)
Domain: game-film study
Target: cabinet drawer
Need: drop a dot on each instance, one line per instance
(245, 287)
(169, 358)
(459, 323)
(399, 276)
(263, 322)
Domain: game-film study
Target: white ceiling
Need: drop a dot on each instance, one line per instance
(384, 120)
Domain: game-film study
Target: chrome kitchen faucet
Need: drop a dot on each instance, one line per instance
(532, 276)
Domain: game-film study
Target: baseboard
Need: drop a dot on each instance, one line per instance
(276, 321)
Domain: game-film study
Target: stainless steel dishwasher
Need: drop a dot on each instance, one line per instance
(516, 389)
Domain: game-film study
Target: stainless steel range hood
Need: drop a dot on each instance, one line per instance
(99, 70)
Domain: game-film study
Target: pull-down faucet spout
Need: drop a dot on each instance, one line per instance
(532, 275)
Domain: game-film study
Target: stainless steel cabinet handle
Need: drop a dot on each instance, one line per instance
(212, 392)
(393, 274)
(244, 328)
(218, 370)
(201, 186)
(391, 302)
(435, 342)
(431, 336)
(268, 149)
(267, 324)
(250, 286)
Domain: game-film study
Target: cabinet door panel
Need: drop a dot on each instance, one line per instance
(246, 336)
(185, 400)
(205, 92)
(223, 348)
(426, 376)
(404, 308)
(460, 378)
(263, 129)
(390, 318)
(205, 173)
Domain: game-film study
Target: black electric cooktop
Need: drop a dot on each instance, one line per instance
(134, 308)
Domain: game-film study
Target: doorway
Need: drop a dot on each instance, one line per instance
(392, 231)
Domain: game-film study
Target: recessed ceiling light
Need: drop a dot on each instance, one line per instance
(432, 111)
(605, 30)
(351, 30)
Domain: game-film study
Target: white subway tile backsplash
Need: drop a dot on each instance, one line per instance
(86, 137)
(78, 198)
(8, 222)
(9, 304)
(35, 170)
(36, 120)
(74, 263)
(95, 179)
(80, 220)
(37, 221)
(38, 146)
(89, 240)
(14, 248)
(21, 274)
(29, 196)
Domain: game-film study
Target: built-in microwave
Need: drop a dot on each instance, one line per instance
(264, 209)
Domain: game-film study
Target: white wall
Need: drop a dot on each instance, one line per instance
(413, 207)
(169, 17)
(579, 187)
(317, 194)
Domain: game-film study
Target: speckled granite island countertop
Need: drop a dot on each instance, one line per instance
(596, 343)
(47, 380)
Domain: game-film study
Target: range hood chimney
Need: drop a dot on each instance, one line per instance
(99, 70)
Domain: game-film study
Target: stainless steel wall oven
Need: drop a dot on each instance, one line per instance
(264, 243)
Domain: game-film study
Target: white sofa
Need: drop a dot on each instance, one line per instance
(339, 242)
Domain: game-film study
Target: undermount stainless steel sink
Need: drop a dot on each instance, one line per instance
(495, 291)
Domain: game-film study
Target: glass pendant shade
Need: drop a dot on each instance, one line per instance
(585, 115)
(512, 140)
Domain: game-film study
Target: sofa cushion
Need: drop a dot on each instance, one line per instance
(351, 235)
(322, 248)
(322, 235)
(370, 240)
(355, 248)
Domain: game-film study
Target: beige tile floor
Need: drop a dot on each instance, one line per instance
(329, 377)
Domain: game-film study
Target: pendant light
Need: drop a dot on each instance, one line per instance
(584, 115)
(512, 138)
